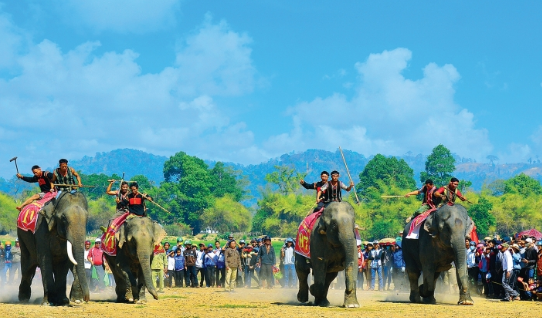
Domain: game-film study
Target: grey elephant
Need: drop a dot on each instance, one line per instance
(57, 246)
(332, 249)
(441, 241)
(131, 266)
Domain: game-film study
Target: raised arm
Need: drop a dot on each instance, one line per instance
(108, 191)
(77, 176)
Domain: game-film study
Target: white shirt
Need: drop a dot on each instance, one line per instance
(471, 258)
(289, 256)
(88, 265)
(170, 263)
(507, 263)
(199, 259)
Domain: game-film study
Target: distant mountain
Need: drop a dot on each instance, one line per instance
(312, 161)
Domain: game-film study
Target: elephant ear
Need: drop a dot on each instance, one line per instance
(430, 224)
(469, 228)
(158, 233)
(121, 236)
(48, 212)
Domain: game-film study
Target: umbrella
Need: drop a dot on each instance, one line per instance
(387, 241)
(532, 232)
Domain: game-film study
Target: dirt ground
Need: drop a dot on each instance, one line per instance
(212, 302)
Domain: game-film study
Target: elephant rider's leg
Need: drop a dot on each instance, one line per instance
(33, 198)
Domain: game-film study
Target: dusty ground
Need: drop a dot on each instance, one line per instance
(211, 302)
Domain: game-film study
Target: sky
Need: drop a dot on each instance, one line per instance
(247, 81)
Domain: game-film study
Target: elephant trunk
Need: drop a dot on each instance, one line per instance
(348, 240)
(460, 264)
(145, 263)
(77, 248)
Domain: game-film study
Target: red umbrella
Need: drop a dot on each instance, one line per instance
(531, 232)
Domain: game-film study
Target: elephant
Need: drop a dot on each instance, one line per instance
(58, 245)
(332, 249)
(131, 266)
(440, 242)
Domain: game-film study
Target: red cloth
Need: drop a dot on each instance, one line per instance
(109, 243)
(414, 229)
(29, 214)
(303, 243)
(473, 234)
(96, 256)
(531, 232)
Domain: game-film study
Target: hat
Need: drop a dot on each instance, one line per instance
(256, 250)
(87, 242)
(289, 240)
(472, 243)
(98, 240)
(242, 242)
(179, 239)
(487, 238)
(515, 246)
(230, 236)
(499, 246)
(187, 242)
(265, 238)
(16, 240)
(8, 243)
(505, 245)
(200, 244)
(375, 242)
(529, 240)
(539, 243)
(259, 240)
(210, 246)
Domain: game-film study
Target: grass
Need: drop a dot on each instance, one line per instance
(140, 306)
(239, 306)
(173, 297)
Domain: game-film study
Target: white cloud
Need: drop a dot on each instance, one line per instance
(139, 16)
(388, 113)
(75, 103)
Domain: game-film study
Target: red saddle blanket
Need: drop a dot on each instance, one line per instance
(303, 239)
(414, 231)
(28, 216)
(109, 242)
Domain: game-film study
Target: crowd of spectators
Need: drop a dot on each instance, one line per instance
(10, 263)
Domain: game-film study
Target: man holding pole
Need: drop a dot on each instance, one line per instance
(324, 176)
(65, 175)
(43, 178)
(334, 188)
(428, 190)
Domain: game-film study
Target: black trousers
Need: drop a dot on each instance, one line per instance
(220, 281)
(473, 278)
(210, 275)
(179, 278)
(266, 273)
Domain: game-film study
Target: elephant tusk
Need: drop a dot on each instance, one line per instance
(70, 252)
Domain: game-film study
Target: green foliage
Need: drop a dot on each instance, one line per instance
(286, 178)
(482, 217)
(224, 181)
(523, 185)
(381, 173)
(439, 166)
(226, 214)
(99, 181)
(100, 212)
(8, 217)
(464, 185)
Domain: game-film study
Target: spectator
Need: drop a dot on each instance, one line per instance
(539, 261)
(288, 255)
(398, 267)
(220, 277)
(96, 258)
(180, 268)
(109, 273)
(2, 260)
(190, 256)
(209, 261)
(483, 267)
(516, 267)
(179, 245)
(233, 265)
(387, 263)
(159, 267)
(252, 261)
(529, 288)
(531, 257)
(376, 256)
(170, 275)
(245, 261)
(507, 266)
(361, 263)
(8, 260)
(200, 265)
(473, 257)
(367, 269)
(266, 261)
(240, 276)
(88, 266)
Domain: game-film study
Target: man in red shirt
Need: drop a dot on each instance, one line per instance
(449, 193)
(95, 256)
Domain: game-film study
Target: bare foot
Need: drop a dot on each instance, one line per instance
(19, 208)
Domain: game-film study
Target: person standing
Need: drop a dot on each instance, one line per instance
(398, 267)
(2, 262)
(88, 266)
(233, 264)
(180, 268)
(95, 256)
(361, 263)
(289, 268)
(386, 266)
(220, 277)
(200, 264)
(253, 260)
(159, 267)
(8, 260)
(16, 262)
(507, 266)
(190, 255)
(266, 260)
(210, 266)
(170, 275)
(531, 257)
(376, 256)
(473, 257)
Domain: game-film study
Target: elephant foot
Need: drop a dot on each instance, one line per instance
(140, 301)
(351, 301)
(465, 300)
(64, 302)
(303, 296)
(415, 297)
(429, 300)
(321, 302)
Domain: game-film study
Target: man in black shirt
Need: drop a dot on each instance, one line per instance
(324, 176)
(136, 201)
(43, 178)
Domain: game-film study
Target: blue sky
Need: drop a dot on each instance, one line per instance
(246, 81)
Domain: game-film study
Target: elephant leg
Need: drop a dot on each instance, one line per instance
(427, 291)
(413, 277)
(28, 270)
(76, 292)
(350, 296)
(302, 269)
(60, 271)
(323, 302)
(319, 271)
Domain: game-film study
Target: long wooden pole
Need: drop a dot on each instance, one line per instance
(349, 176)
(73, 185)
(151, 201)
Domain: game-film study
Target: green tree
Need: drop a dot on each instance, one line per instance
(439, 166)
(226, 215)
(381, 173)
(523, 185)
(224, 180)
(99, 183)
(8, 217)
(482, 217)
(286, 178)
